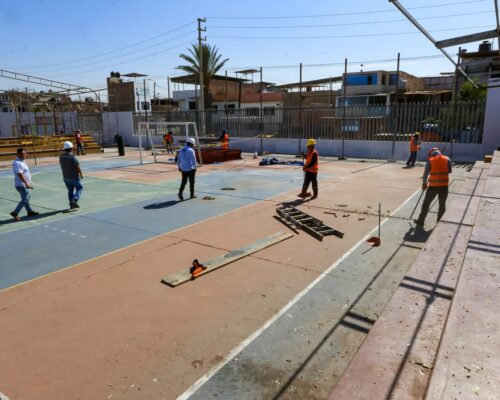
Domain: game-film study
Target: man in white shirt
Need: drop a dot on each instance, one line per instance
(22, 182)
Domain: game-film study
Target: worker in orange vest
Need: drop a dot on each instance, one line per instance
(435, 181)
(168, 139)
(311, 167)
(224, 138)
(414, 148)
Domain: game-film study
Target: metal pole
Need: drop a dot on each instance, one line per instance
(455, 98)
(225, 93)
(342, 157)
(261, 119)
(394, 122)
(201, 70)
(498, 24)
(31, 126)
(168, 86)
(148, 135)
(429, 36)
(139, 130)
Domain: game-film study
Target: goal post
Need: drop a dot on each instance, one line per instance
(155, 129)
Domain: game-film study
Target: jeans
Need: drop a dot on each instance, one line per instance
(75, 189)
(430, 194)
(25, 199)
(185, 176)
(412, 159)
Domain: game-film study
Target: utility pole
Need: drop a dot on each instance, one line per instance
(31, 126)
(261, 117)
(168, 87)
(200, 72)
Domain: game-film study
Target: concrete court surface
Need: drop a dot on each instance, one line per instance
(88, 317)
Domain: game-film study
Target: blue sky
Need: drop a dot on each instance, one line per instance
(82, 42)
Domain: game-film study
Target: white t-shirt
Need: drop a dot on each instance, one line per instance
(20, 167)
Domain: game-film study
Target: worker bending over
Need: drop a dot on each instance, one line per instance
(224, 139)
(311, 167)
(436, 181)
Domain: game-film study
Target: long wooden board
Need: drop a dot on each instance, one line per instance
(184, 276)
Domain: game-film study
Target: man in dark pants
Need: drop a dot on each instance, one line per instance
(72, 174)
(414, 148)
(437, 169)
(311, 167)
(187, 166)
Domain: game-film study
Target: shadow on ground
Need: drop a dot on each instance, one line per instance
(34, 217)
(165, 204)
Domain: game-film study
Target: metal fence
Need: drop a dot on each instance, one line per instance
(460, 122)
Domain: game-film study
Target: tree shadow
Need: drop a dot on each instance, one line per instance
(165, 204)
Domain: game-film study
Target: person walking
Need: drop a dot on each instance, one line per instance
(224, 139)
(168, 139)
(187, 167)
(311, 167)
(435, 181)
(72, 174)
(22, 182)
(414, 148)
(79, 142)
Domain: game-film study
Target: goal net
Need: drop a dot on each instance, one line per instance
(151, 136)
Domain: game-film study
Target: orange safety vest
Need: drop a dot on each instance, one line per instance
(225, 141)
(413, 145)
(309, 157)
(438, 176)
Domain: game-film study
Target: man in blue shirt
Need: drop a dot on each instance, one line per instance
(187, 166)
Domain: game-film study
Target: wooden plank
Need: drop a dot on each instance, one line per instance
(184, 276)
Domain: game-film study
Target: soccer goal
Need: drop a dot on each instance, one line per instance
(154, 130)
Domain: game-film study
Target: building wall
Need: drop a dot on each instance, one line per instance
(121, 95)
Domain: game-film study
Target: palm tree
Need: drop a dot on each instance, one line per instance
(211, 60)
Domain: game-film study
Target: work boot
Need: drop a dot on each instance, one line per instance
(15, 216)
(418, 222)
(32, 213)
(193, 196)
(181, 197)
(303, 195)
(315, 194)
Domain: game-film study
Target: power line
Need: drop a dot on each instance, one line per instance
(344, 36)
(122, 55)
(350, 13)
(366, 62)
(110, 51)
(347, 23)
(128, 61)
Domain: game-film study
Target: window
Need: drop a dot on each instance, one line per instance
(269, 111)
(252, 112)
(361, 80)
(229, 108)
(393, 79)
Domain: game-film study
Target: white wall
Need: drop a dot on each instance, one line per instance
(462, 152)
(491, 131)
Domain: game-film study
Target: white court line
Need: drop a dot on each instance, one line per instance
(200, 382)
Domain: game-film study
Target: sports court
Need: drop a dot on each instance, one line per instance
(84, 313)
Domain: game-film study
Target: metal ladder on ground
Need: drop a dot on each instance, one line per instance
(313, 226)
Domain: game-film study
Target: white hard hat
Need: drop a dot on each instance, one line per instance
(67, 145)
(192, 141)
